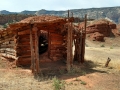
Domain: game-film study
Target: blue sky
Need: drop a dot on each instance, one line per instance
(33, 5)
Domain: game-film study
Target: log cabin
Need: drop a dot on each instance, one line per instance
(28, 41)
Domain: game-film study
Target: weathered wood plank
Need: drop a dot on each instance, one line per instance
(37, 52)
(32, 50)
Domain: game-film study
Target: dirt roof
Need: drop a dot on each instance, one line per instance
(40, 19)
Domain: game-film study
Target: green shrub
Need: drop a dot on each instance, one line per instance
(83, 82)
(111, 47)
(58, 85)
(102, 45)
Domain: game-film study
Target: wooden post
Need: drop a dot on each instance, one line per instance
(108, 60)
(32, 49)
(69, 45)
(37, 51)
(84, 37)
(80, 45)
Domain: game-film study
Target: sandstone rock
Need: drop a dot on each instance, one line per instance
(100, 29)
(97, 36)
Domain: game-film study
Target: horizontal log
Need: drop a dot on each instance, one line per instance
(10, 53)
(57, 38)
(59, 48)
(55, 51)
(2, 51)
(23, 43)
(5, 37)
(56, 42)
(9, 49)
(56, 55)
(26, 39)
(24, 61)
(7, 46)
(8, 56)
(24, 32)
(6, 34)
(8, 39)
(9, 42)
(23, 51)
(3, 58)
(25, 56)
(54, 35)
(25, 36)
(56, 58)
(24, 48)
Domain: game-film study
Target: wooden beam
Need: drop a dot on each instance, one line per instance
(32, 49)
(71, 44)
(37, 51)
(84, 37)
(68, 46)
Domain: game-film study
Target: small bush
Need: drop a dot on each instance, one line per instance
(111, 47)
(102, 45)
(83, 82)
(58, 85)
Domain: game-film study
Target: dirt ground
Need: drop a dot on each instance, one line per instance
(92, 75)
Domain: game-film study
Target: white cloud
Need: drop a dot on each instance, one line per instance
(20, 5)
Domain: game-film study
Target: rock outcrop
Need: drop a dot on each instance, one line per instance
(100, 29)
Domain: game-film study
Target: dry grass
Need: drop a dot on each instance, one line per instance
(100, 55)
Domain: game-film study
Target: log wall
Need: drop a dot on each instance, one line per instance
(56, 46)
(8, 42)
(23, 47)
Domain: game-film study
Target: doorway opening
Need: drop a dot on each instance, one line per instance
(43, 42)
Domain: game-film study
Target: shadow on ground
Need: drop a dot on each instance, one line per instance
(76, 70)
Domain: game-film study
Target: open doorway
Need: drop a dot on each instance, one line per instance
(43, 42)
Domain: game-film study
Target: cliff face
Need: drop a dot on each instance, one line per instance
(112, 13)
(100, 29)
(12, 18)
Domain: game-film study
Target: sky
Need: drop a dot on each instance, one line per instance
(34, 5)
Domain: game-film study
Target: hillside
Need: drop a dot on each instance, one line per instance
(12, 18)
(112, 13)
